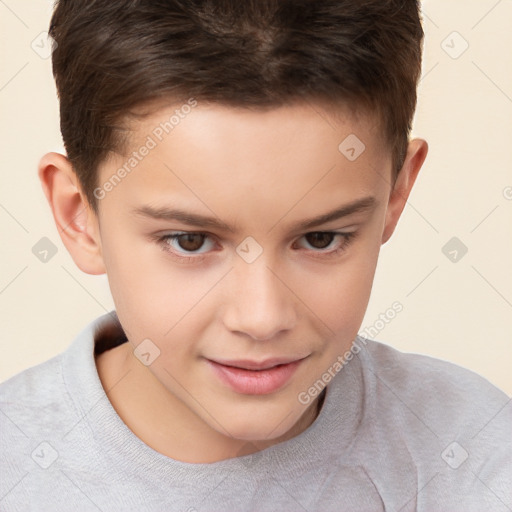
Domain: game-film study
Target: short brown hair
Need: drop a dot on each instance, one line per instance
(112, 56)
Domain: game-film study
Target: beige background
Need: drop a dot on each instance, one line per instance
(457, 311)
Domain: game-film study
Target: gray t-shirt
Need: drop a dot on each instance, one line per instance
(396, 432)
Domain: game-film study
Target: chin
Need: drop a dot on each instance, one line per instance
(257, 428)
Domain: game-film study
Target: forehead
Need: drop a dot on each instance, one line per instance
(303, 127)
(144, 116)
(147, 117)
(216, 157)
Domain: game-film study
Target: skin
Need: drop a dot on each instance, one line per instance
(260, 172)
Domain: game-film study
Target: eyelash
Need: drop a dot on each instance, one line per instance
(164, 242)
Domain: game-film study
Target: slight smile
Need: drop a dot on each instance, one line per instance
(253, 378)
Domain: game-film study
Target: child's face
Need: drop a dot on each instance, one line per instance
(263, 289)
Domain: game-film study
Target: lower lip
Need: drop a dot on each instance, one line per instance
(251, 382)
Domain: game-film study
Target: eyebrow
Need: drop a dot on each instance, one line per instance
(203, 221)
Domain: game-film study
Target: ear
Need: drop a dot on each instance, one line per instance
(416, 153)
(76, 221)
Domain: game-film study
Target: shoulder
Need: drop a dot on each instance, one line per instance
(453, 397)
(32, 405)
(429, 378)
(33, 398)
(32, 380)
(452, 422)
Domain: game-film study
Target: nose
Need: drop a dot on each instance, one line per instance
(260, 304)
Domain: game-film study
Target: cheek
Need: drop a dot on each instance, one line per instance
(338, 296)
(146, 293)
(157, 298)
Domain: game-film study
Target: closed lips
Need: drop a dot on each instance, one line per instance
(257, 366)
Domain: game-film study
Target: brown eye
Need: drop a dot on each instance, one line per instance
(320, 240)
(190, 241)
(187, 247)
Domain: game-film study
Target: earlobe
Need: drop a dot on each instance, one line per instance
(416, 154)
(76, 222)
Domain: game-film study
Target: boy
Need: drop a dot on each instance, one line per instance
(275, 135)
